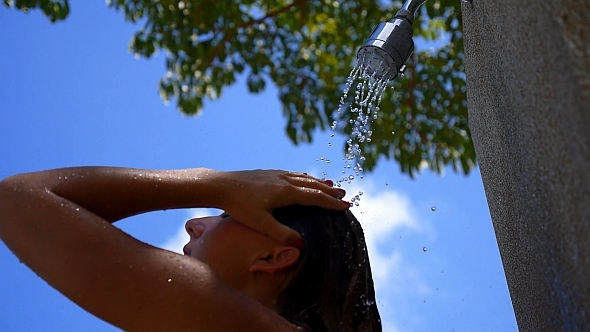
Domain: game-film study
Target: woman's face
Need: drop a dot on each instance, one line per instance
(225, 245)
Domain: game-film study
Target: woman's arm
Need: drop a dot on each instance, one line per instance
(58, 223)
(114, 193)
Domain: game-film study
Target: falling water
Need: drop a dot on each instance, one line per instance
(364, 109)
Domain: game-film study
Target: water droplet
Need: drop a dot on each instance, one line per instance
(351, 177)
(424, 249)
(387, 183)
(169, 280)
(433, 208)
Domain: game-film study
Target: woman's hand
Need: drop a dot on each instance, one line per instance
(250, 196)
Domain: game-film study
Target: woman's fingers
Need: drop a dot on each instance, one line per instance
(251, 196)
(325, 186)
(316, 197)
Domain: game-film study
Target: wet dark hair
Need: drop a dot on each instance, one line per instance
(332, 288)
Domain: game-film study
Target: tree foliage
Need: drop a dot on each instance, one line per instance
(307, 49)
(55, 10)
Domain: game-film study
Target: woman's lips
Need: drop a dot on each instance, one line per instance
(190, 246)
(186, 250)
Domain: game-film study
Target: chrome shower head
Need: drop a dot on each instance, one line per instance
(385, 52)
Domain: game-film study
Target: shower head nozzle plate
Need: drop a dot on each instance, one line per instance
(376, 62)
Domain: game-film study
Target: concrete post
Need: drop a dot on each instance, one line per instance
(528, 91)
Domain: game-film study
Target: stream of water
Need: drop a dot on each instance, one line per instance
(364, 109)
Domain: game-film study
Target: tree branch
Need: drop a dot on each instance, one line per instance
(231, 33)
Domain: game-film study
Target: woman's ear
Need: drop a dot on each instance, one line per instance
(279, 259)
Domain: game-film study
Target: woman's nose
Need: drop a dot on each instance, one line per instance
(195, 227)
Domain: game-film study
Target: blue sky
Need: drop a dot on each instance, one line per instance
(71, 94)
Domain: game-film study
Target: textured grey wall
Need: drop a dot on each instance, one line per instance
(528, 92)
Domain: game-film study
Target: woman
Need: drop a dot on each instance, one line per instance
(242, 270)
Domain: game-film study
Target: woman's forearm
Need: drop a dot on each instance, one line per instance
(114, 193)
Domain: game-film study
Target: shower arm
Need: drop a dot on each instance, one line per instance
(412, 5)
